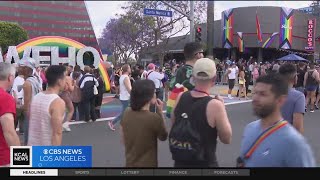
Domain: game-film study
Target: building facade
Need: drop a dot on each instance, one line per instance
(51, 18)
(290, 24)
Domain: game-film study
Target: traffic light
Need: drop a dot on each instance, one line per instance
(198, 34)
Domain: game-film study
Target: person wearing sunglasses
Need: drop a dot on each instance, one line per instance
(192, 52)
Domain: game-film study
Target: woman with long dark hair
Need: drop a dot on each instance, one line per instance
(141, 128)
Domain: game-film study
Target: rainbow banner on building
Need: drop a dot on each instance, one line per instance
(63, 43)
(258, 27)
(286, 26)
(240, 41)
(269, 41)
(227, 28)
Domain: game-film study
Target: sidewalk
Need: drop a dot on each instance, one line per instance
(222, 90)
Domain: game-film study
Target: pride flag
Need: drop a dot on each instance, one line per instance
(173, 97)
(259, 34)
(269, 40)
(240, 41)
(286, 25)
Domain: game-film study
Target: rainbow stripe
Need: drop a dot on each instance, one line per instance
(240, 41)
(269, 40)
(264, 136)
(63, 43)
(172, 99)
(286, 26)
(227, 35)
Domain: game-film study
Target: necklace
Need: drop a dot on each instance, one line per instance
(196, 90)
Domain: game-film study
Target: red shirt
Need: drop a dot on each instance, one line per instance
(7, 105)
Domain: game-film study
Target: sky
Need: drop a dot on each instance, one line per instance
(102, 11)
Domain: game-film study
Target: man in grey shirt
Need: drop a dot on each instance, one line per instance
(282, 145)
(293, 109)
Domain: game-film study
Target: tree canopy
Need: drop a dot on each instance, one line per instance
(11, 34)
(131, 32)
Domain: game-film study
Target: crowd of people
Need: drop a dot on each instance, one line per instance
(41, 102)
(45, 98)
(199, 119)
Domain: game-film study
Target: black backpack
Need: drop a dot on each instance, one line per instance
(185, 140)
(87, 90)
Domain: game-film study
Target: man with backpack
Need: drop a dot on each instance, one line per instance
(88, 85)
(198, 119)
(181, 81)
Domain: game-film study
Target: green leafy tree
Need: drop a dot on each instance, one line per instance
(11, 34)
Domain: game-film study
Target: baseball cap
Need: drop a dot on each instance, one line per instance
(204, 69)
(28, 62)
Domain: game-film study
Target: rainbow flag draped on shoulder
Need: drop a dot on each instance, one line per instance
(173, 96)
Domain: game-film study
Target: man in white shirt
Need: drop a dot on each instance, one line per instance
(156, 77)
(232, 74)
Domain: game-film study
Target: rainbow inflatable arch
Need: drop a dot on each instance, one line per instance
(63, 43)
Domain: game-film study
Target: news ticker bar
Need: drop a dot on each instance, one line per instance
(129, 172)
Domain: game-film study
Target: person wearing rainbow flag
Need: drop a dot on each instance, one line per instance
(272, 141)
(181, 81)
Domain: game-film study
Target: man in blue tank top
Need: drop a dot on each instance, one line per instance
(272, 141)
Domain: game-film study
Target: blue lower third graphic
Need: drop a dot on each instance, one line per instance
(61, 156)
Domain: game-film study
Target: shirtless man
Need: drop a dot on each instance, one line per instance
(66, 96)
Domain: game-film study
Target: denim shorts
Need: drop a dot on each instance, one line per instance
(312, 88)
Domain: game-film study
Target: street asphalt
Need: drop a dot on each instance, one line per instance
(109, 152)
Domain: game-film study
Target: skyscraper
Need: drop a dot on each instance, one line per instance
(51, 18)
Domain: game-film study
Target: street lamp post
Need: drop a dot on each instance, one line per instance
(191, 21)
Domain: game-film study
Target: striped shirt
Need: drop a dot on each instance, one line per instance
(40, 129)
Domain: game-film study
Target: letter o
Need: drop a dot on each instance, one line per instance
(96, 56)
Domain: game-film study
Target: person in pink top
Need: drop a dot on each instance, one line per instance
(44, 79)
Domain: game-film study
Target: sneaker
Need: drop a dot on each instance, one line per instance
(66, 127)
(311, 110)
(230, 97)
(111, 126)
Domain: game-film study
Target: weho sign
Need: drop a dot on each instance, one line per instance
(311, 34)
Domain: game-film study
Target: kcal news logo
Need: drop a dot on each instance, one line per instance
(51, 156)
(20, 156)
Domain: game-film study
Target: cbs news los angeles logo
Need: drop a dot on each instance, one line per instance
(21, 156)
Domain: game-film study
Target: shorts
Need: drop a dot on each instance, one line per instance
(242, 82)
(312, 88)
(231, 83)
